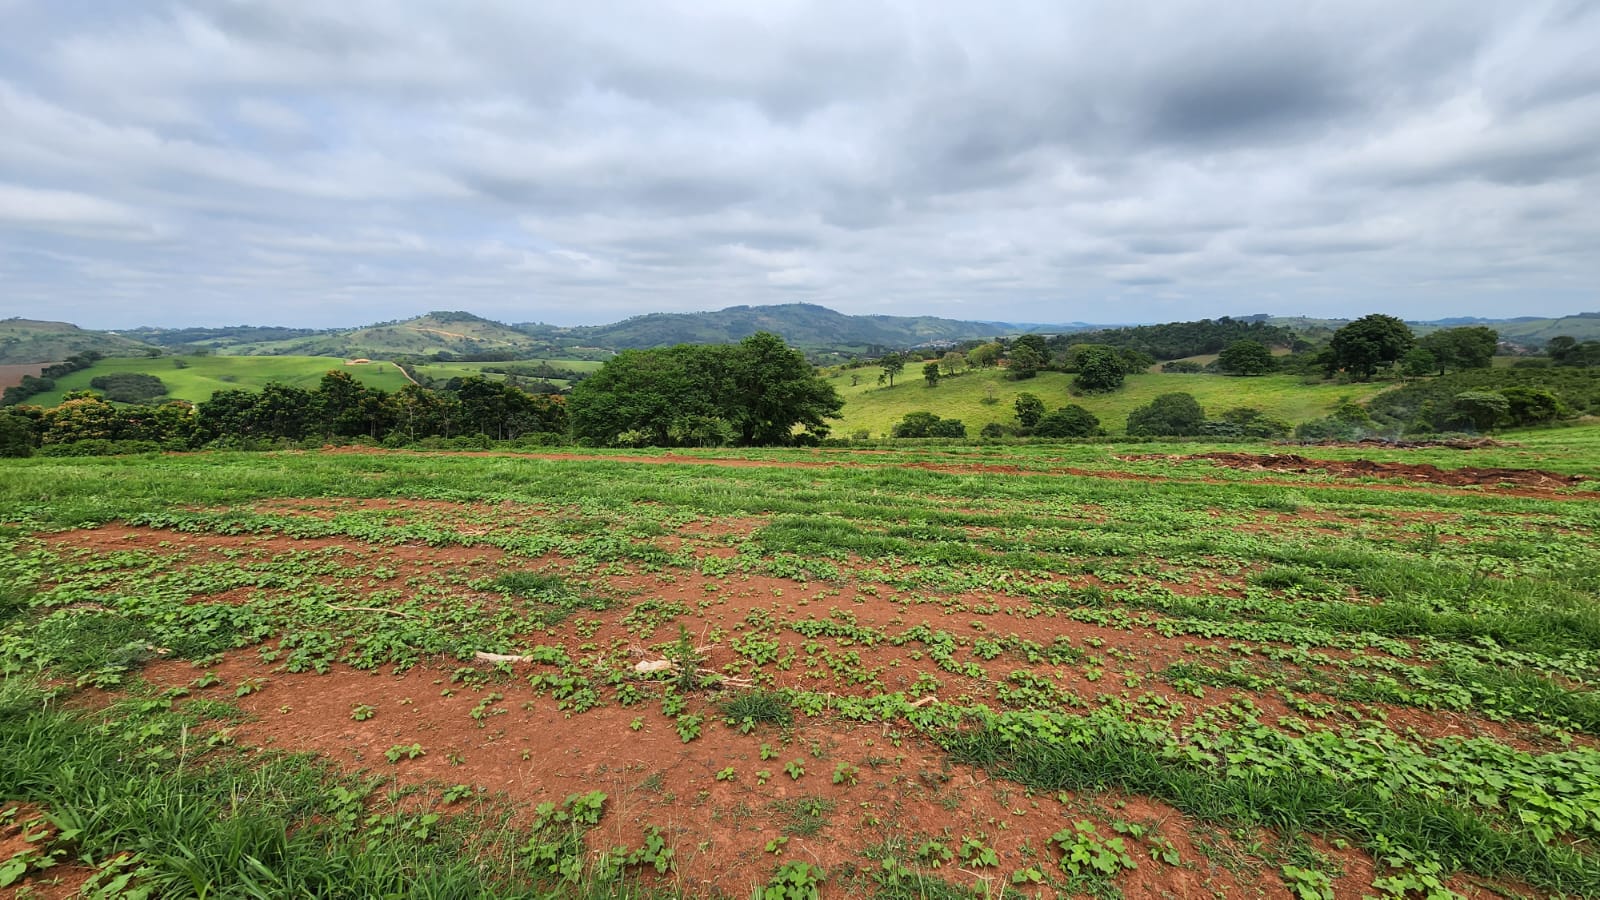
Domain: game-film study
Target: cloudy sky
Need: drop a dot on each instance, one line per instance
(336, 162)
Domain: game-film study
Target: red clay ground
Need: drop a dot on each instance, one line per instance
(1365, 468)
(11, 376)
(525, 749)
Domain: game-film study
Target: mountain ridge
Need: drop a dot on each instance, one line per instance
(458, 334)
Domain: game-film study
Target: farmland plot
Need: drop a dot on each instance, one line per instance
(911, 673)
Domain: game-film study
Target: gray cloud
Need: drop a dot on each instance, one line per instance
(207, 161)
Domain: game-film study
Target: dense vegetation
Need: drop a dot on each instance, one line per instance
(1176, 340)
(752, 393)
(34, 385)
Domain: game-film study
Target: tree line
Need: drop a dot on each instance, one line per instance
(757, 392)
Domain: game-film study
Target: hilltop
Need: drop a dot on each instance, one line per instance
(24, 341)
(800, 324)
(822, 332)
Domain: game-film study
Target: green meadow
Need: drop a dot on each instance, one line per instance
(965, 397)
(195, 378)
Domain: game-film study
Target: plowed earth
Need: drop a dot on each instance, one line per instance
(1424, 473)
(517, 745)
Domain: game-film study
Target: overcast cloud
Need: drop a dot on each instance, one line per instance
(307, 162)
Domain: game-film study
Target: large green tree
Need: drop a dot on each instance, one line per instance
(1246, 357)
(1461, 348)
(1369, 342)
(758, 391)
(1099, 368)
(775, 389)
(1030, 409)
(1168, 414)
(1069, 421)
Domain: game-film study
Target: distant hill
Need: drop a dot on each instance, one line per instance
(1537, 332)
(824, 333)
(801, 324)
(456, 334)
(219, 338)
(24, 341)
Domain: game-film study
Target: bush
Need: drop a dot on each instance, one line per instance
(928, 425)
(1072, 421)
(1100, 369)
(1350, 422)
(16, 436)
(1246, 357)
(1482, 410)
(1533, 406)
(1175, 414)
(1245, 422)
(129, 387)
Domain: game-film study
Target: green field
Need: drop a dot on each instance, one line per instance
(447, 371)
(877, 409)
(195, 378)
(919, 672)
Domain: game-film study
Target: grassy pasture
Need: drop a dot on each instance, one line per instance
(446, 370)
(910, 673)
(877, 409)
(200, 376)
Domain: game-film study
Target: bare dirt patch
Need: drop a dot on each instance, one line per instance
(11, 376)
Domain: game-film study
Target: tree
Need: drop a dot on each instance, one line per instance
(16, 435)
(984, 355)
(760, 388)
(1246, 358)
(953, 361)
(1567, 351)
(1482, 410)
(1532, 406)
(1461, 348)
(924, 424)
(1417, 362)
(1034, 342)
(1168, 414)
(1030, 409)
(1369, 342)
(892, 366)
(1099, 369)
(1071, 421)
(930, 374)
(80, 417)
(1025, 362)
(1248, 421)
(129, 387)
(775, 389)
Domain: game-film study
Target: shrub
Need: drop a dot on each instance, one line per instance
(928, 425)
(1071, 421)
(1175, 414)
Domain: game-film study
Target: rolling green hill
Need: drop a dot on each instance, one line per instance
(25, 341)
(194, 378)
(456, 333)
(800, 324)
(877, 409)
